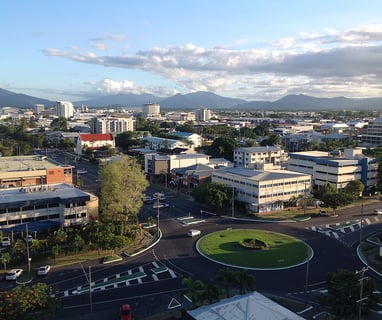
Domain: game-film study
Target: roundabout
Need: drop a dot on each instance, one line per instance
(254, 249)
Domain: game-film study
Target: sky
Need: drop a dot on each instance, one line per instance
(248, 49)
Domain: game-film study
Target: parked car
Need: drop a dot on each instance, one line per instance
(82, 171)
(160, 205)
(5, 241)
(377, 211)
(193, 233)
(43, 270)
(125, 312)
(28, 238)
(13, 274)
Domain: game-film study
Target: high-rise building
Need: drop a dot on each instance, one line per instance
(64, 109)
(203, 114)
(111, 125)
(151, 110)
(38, 108)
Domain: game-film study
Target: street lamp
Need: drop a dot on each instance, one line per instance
(158, 195)
(89, 281)
(27, 241)
(361, 223)
(361, 299)
(307, 275)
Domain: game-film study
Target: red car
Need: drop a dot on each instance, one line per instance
(125, 312)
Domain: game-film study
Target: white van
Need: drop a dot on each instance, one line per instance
(193, 233)
(5, 241)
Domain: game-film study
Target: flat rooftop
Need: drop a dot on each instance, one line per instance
(27, 163)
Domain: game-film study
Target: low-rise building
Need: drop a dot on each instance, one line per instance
(264, 191)
(61, 204)
(31, 170)
(256, 157)
(336, 168)
(94, 141)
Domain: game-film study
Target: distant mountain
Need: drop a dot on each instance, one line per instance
(304, 102)
(203, 99)
(200, 99)
(11, 99)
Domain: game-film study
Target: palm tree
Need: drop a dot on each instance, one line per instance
(5, 258)
(229, 278)
(194, 290)
(211, 292)
(246, 281)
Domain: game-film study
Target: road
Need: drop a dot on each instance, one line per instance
(333, 249)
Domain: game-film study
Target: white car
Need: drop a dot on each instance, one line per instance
(13, 274)
(28, 238)
(43, 270)
(81, 171)
(377, 211)
(193, 233)
(5, 242)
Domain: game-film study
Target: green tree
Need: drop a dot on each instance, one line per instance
(230, 279)
(122, 185)
(126, 140)
(29, 302)
(344, 288)
(354, 188)
(336, 199)
(194, 290)
(5, 258)
(59, 124)
(214, 194)
(223, 147)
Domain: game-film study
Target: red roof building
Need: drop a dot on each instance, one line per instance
(94, 141)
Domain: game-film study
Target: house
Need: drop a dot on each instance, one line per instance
(255, 157)
(193, 138)
(94, 141)
(192, 176)
(155, 143)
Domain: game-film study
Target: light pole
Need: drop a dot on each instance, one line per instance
(233, 201)
(307, 275)
(158, 215)
(27, 241)
(89, 281)
(361, 299)
(361, 224)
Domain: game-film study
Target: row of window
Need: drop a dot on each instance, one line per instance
(41, 206)
(29, 219)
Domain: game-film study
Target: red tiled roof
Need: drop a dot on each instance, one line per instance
(96, 136)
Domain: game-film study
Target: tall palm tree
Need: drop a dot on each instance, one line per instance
(246, 281)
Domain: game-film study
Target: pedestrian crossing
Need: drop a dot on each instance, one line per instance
(145, 273)
(338, 230)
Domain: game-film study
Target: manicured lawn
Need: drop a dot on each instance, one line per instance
(282, 250)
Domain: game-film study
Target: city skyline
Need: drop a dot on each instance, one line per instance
(252, 50)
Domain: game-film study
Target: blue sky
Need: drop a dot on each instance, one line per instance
(248, 49)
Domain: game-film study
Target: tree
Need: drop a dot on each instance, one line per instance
(344, 288)
(223, 147)
(5, 258)
(127, 139)
(214, 194)
(59, 124)
(194, 290)
(336, 199)
(122, 185)
(230, 279)
(28, 302)
(354, 188)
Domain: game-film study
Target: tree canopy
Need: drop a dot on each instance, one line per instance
(214, 194)
(223, 148)
(122, 185)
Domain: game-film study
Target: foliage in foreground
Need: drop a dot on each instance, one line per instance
(23, 302)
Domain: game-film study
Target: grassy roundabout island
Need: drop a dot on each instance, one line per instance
(254, 249)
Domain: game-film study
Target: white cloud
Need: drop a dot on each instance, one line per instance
(330, 61)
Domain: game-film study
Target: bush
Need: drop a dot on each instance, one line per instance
(255, 244)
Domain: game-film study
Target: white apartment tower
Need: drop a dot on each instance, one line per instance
(38, 108)
(203, 114)
(64, 109)
(151, 110)
(112, 125)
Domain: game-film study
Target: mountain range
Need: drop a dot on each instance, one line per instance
(202, 99)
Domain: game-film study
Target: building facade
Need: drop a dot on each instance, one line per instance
(336, 169)
(372, 136)
(263, 191)
(23, 171)
(151, 110)
(59, 204)
(64, 109)
(94, 141)
(112, 125)
(256, 157)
